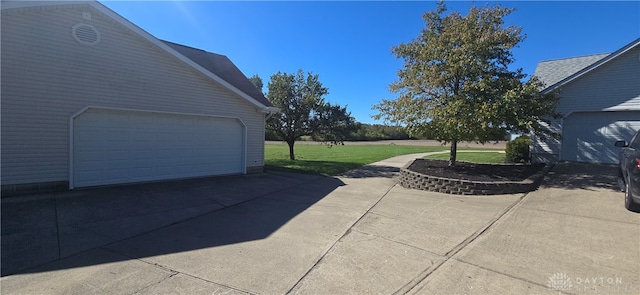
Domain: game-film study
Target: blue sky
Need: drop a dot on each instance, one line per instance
(349, 43)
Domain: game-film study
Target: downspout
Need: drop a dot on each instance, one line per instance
(270, 111)
(269, 115)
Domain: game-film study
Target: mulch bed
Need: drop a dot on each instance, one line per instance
(475, 172)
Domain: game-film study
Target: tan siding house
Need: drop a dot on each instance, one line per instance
(599, 103)
(79, 66)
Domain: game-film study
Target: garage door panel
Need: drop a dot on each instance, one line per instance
(115, 174)
(89, 177)
(590, 137)
(142, 172)
(126, 146)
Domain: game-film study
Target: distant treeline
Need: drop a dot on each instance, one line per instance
(378, 132)
(365, 132)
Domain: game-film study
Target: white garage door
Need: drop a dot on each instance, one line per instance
(589, 137)
(112, 146)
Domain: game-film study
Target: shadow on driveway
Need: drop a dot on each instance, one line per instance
(40, 229)
(372, 171)
(584, 176)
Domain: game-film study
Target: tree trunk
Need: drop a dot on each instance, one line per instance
(291, 143)
(452, 153)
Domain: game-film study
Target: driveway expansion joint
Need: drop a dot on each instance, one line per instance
(396, 242)
(581, 216)
(155, 284)
(501, 273)
(449, 255)
(172, 272)
(218, 284)
(350, 229)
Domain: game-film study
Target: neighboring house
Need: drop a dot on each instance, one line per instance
(599, 104)
(88, 99)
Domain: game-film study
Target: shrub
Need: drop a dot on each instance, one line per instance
(518, 150)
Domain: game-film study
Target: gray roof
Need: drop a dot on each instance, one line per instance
(222, 67)
(556, 73)
(551, 72)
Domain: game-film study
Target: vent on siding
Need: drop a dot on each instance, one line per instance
(85, 34)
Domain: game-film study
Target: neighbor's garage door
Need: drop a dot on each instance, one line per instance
(590, 137)
(111, 146)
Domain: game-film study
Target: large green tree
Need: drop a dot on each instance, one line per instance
(304, 112)
(456, 80)
(257, 82)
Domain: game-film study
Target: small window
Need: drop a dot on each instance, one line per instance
(85, 34)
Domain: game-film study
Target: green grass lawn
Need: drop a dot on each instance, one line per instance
(484, 157)
(321, 159)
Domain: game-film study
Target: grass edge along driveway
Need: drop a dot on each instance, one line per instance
(334, 160)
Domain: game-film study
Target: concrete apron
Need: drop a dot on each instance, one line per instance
(357, 233)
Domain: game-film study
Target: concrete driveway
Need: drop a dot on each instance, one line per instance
(276, 233)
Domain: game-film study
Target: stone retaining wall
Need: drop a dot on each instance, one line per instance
(415, 180)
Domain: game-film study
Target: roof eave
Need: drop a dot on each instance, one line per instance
(103, 9)
(591, 67)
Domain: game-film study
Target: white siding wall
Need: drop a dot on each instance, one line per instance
(613, 86)
(47, 77)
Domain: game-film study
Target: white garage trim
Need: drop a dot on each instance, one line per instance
(72, 183)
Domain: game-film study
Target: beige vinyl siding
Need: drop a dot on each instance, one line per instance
(47, 76)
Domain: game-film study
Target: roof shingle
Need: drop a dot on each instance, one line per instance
(222, 67)
(551, 72)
